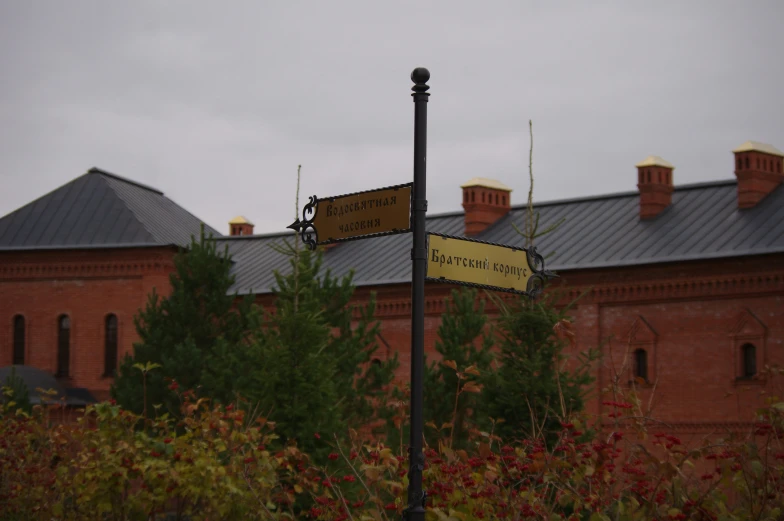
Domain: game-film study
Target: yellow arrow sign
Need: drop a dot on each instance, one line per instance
(384, 211)
(464, 261)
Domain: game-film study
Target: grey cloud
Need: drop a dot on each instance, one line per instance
(216, 103)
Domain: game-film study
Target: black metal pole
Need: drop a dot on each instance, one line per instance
(416, 496)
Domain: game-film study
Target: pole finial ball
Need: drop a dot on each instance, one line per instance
(420, 75)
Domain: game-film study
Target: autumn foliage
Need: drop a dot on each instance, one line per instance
(225, 463)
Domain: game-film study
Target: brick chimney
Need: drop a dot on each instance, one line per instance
(654, 180)
(240, 226)
(759, 171)
(485, 201)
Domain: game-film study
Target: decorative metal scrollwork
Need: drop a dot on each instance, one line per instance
(538, 276)
(305, 227)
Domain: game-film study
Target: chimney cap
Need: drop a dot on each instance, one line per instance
(654, 161)
(486, 183)
(240, 220)
(756, 146)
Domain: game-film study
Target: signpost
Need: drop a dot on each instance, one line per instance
(456, 260)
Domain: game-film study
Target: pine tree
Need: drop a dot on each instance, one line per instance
(532, 387)
(188, 334)
(447, 404)
(532, 390)
(313, 373)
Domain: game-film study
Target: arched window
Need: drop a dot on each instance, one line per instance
(63, 345)
(19, 340)
(641, 364)
(110, 346)
(749, 353)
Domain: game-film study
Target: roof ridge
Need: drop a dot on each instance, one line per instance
(96, 170)
(618, 195)
(50, 192)
(125, 203)
(254, 236)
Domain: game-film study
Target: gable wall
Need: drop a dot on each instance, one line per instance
(86, 285)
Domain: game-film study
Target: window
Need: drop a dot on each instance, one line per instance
(749, 354)
(465, 197)
(503, 200)
(641, 364)
(483, 197)
(110, 346)
(63, 345)
(473, 196)
(19, 340)
(740, 163)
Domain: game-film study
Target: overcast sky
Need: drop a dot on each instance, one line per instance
(216, 103)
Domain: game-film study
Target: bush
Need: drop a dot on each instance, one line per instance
(217, 463)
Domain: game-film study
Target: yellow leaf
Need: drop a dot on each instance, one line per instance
(471, 369)
(471, 387)
(451, 364)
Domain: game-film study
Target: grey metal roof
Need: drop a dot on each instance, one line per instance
(99, 210)
(703, 222)
(35, 378)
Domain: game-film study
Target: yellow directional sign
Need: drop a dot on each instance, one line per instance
(384, 211)
(364, 213)
(463, 261)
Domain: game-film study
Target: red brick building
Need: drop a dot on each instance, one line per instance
(684, 285)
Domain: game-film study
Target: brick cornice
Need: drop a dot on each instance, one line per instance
(692, 427)
(649, 290)
(673, 289)
(70, 270)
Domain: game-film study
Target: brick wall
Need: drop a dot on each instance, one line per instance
(698, 315)
(86, 286)
(701, 313)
